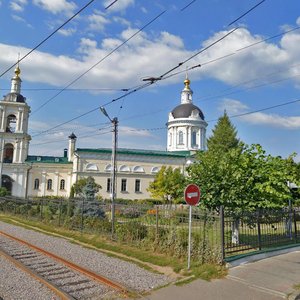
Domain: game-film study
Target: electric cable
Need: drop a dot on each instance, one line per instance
(47, 38)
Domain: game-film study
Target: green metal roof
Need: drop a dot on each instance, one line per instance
(47, 159)
(138, 152)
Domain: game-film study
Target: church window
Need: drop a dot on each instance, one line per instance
(124, 185)
(62, 184)
(194, 138)
(180, 137)
(8, 153)
(155, 169)
(108, 185)
(49, 184)
(124, 169)
(108, 168)
(11, 123)
(137, 187)
(36, 184)
(138, 169)
(91, 167)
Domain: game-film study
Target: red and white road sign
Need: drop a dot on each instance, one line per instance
(192, 194)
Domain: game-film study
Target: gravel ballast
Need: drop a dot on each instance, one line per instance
(123, 272)
(15, 284)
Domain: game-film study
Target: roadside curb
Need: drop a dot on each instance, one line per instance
(294, 296)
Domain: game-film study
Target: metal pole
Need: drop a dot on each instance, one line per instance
(190, 237)
(114, 174)
(1, 160)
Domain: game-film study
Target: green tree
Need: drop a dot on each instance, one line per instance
(243, 180)
(224, 136)
(79, 187)
(168, 184)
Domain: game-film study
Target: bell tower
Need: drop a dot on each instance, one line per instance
(14, 137)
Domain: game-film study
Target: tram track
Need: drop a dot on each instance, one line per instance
(66, 279)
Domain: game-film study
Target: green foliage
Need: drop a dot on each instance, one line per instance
(131, 231)
(224, 136)
(79, 187)
(168, 184)
(3, 192)
(243, 180)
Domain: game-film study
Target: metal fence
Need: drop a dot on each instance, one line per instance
(164, 229)
(248, 232)
(160, 228)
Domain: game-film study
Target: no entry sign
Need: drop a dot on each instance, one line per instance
(192, 194)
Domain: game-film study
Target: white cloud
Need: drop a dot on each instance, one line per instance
(18, 5)
(56, 6)
(130, 131)
(138, 58)
(235, 107)
(97, 21)
(273, 120)
(67, 32)
(120, 5)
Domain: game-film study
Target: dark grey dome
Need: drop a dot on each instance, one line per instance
(14, 97)
(185, 110)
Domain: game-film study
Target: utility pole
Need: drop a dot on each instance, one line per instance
(113, 182)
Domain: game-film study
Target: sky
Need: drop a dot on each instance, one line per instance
(242, 60)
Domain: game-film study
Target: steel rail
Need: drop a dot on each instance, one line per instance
(62, 295)
(73, 266)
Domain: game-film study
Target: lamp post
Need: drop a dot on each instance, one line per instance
(113, 182)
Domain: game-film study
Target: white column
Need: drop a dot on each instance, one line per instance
(3, 121)
(43, 183)
(56, 184)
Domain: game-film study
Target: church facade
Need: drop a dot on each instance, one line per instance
(27, 175)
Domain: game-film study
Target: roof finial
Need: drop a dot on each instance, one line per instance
(17, 69)
(186, 81)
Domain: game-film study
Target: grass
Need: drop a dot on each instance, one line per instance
(145, 258)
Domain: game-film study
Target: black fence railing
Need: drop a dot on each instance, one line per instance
(260, 230)
(215, 235)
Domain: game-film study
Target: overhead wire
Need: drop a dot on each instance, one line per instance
(101, 60)
(151, 80)
(48, 37)
(247, 12)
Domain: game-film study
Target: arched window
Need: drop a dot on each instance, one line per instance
(124, 169)
(194, 138)
(62, 184)
(155, 169)
(11, 123)
(180, 137)
(36, 184)
(49, 184)
(91, 167)
(8, 153)
(108, 168)
(138, 169)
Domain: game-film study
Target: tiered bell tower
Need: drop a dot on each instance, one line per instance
(14, 137)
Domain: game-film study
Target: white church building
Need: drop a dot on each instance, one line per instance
(27, 175)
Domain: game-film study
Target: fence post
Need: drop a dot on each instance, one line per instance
(41, 209)
(59, 216)
(222, 225)
(258, 230)
(156, 220)
(82, 212)
(295, 225)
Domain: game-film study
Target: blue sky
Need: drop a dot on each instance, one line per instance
(255, 68)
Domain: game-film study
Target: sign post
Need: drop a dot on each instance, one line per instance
(192, 198)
